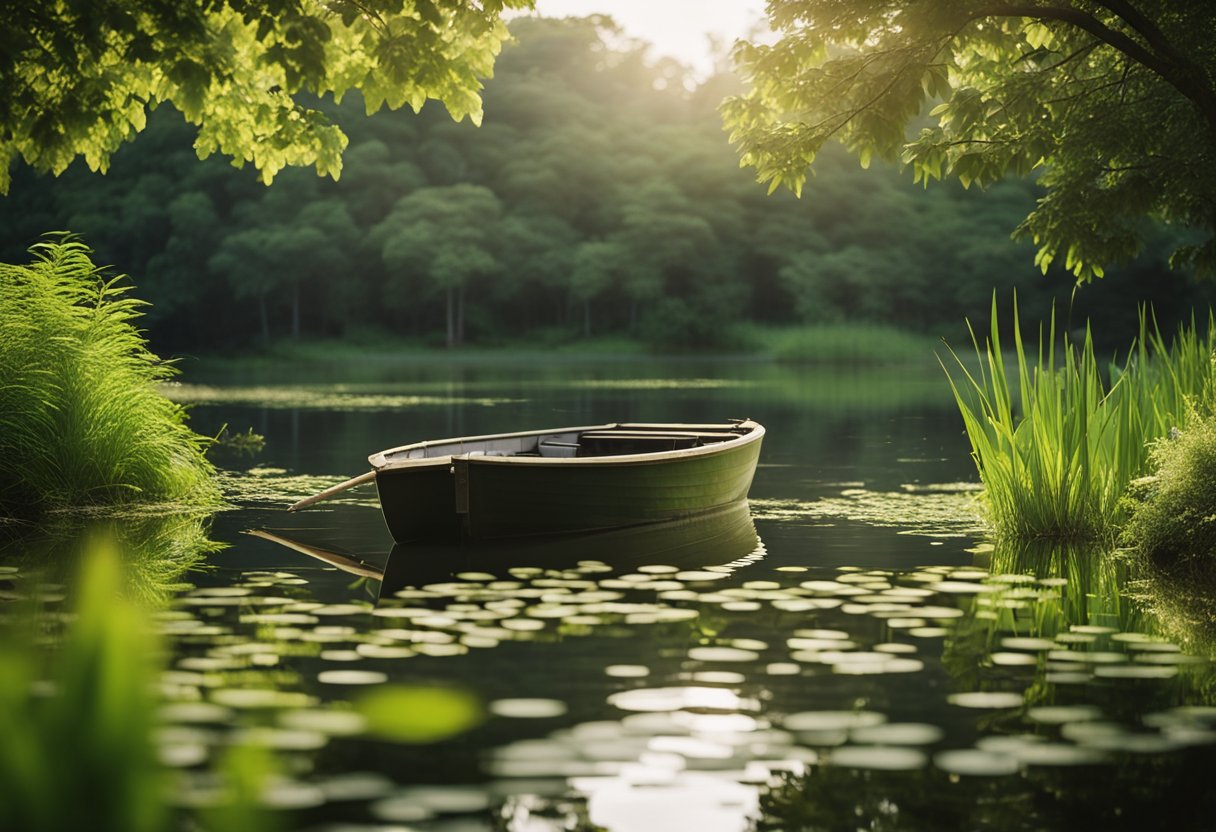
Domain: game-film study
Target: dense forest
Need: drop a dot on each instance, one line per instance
(600, 197)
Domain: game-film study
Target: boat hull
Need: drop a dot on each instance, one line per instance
(485, 498)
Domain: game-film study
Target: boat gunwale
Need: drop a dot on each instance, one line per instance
(754, 434)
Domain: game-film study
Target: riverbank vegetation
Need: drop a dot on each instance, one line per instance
(846, 343)
(1173, 521)
(79, 708)
(82, 421)
(1059, 436)
(1110, 107)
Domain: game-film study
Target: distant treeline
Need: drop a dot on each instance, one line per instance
(600, 197)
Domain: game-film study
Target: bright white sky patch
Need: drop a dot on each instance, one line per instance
(678, 29)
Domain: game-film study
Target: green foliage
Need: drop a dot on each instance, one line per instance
(1112, 105)
(78, 710)
(234, 444)
(599, 196)
(446, 236)
(81, 419)
(247, 770)
(80, 79)
(1057, 446)
(417, 715)
(843, 344)
(1173, 525)
(77, 750)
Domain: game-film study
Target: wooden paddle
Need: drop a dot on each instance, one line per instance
(344, 563)
(331, 491)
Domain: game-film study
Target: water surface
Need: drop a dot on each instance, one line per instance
(846, 653)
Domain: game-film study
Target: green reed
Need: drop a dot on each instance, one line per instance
(1058, 439)
(81, 419)
(77, 720)
(79, 706)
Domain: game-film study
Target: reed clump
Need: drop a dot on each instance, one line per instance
(78, 718)
(1059, 438)
(82, 421)
(80, 692)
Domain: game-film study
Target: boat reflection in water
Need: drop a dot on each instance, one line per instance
(723, 537)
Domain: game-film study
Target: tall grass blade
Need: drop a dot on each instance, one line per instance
(1058, 465)
(82, 421)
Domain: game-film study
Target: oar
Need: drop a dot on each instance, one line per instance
(332, 490)
(344, 563)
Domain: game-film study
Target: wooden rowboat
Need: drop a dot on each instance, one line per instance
(561, 480)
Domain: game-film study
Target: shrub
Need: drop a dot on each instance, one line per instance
(1173, 524)
(82, 421)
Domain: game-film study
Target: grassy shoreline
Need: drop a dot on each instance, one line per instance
(1058, 435)
(82, 418)
(848, 343)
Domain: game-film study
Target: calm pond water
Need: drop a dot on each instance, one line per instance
(845, 654)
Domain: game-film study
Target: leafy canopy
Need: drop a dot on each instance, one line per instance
(79, 76)
(1111, 102)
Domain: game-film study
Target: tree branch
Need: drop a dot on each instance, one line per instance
(1173, 68)
(1084, 50)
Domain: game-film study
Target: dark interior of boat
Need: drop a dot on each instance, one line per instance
(571, 443)
(637, 439)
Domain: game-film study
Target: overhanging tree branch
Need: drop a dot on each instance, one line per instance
(1171, 67)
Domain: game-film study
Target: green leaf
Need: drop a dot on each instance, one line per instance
(418, 715)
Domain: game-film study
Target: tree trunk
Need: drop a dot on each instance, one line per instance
(295, 310)
(451, 298)
(460, 316)
(265, 320)
(587, 319)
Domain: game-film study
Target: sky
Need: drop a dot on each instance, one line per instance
(677, 28)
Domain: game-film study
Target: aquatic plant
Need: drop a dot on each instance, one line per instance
(77, 720)
(232, 444)
(81, 419)
(1057, 446)
(79, 713)
(1172, 527)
